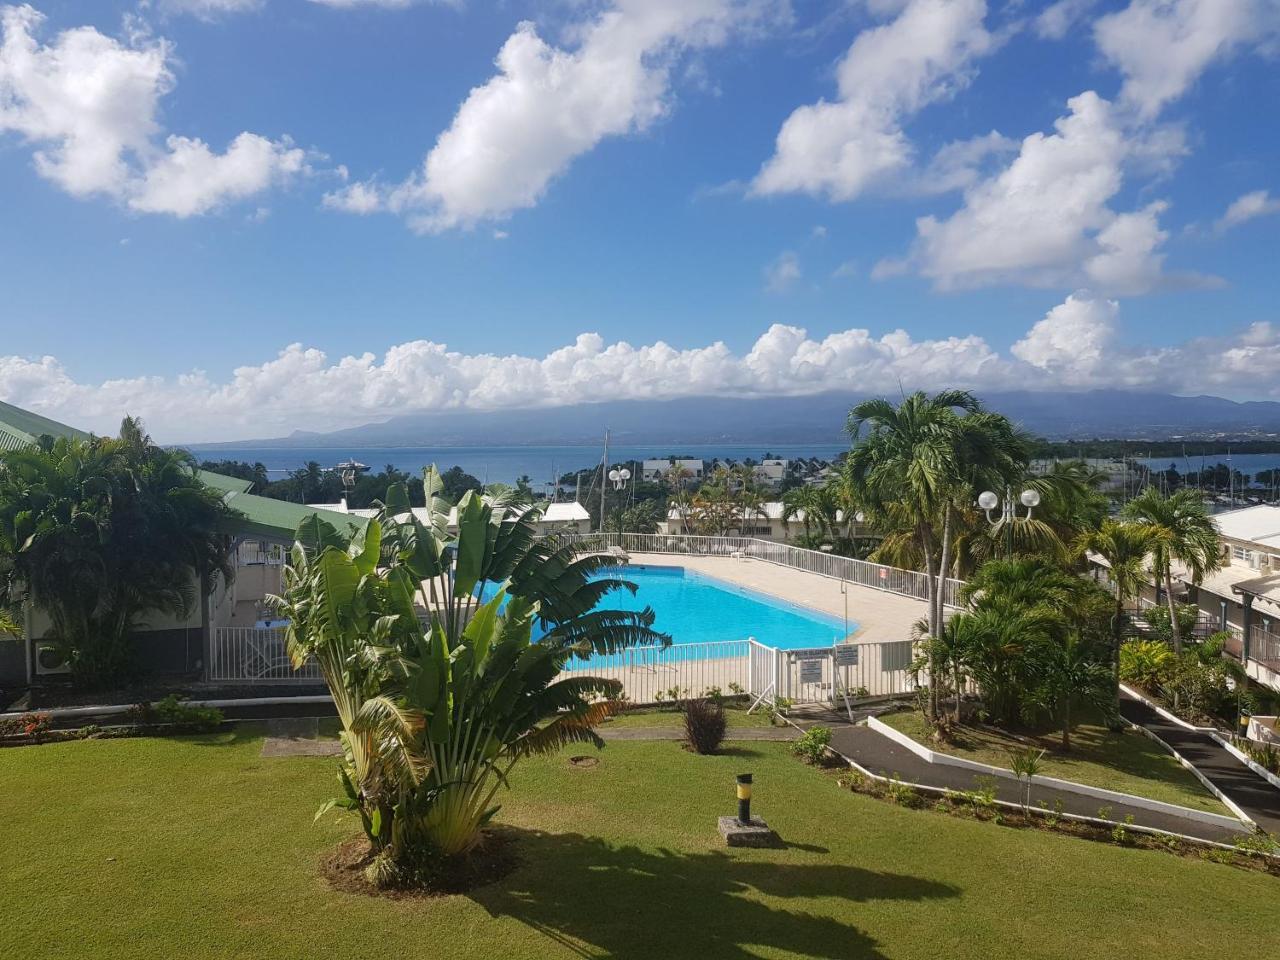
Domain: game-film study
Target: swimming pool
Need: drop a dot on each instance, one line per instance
(695, 608)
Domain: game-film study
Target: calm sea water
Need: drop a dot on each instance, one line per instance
(505, 464)
(1247, 463)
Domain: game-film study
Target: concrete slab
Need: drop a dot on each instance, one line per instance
(755, 833)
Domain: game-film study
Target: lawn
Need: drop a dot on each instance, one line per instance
(736, 716)
(200, 848)
(1126, 761)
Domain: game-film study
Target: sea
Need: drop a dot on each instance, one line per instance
(505, 464)
(1250, 464)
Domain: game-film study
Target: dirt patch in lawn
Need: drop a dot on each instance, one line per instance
(493, 858)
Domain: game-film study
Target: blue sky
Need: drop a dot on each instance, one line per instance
(733, 196)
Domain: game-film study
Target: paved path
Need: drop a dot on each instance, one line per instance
(1256, 797)
(877, 753)
(676, 733)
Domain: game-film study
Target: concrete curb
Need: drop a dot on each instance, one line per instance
(1244, 758)
(1070, 786)
(1165, 713)
(1097, 821)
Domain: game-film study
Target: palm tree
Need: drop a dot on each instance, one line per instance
(1125, 547)
(1184, 532)
(919, 466)
(1075, 675)
(428, 645)
(99, 533)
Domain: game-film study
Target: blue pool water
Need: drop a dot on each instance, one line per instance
(694, 608)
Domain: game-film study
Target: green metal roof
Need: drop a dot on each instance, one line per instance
(220, 481)
(19, 427)
(278, 520)
(262, 516)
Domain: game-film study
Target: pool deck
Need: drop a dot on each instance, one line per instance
(879, 616)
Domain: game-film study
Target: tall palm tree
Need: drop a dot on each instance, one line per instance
(1125, 546)
(98, 534)
(1184, 532)
(919, 466)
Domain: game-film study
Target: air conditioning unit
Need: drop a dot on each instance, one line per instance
(49, 660)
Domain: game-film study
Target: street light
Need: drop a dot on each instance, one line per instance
(989, 501)
(619, 477)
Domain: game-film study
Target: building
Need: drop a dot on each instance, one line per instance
(771, 473)
(1242, 597)
(655, 471)
(767, 523)
(568, 517)
(260, 532)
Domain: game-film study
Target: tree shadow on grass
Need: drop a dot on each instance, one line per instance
(599, 898)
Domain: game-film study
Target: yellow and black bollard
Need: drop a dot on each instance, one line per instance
(744, 798)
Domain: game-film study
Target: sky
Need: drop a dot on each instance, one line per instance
(237, 218)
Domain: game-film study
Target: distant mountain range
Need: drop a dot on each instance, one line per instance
(1101, 414)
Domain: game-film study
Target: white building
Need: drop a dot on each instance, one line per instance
(556, 517)
(655, 471)
(767, 523)
(1243, 596)
(771, 473)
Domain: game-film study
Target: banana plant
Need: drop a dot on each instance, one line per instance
(427, 641)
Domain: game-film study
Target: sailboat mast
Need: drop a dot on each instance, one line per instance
(604, 476)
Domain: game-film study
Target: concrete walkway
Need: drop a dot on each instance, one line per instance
(880, 755)
(676, 733)
(1259, 800)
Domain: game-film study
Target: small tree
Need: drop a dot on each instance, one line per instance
(100, 533)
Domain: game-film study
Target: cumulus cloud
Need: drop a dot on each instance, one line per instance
(1071, 343)
(1258, 203)
(839, 148)
(1163, 46)
(204, 9)
(1057, 19)
(547, 105)
(1046, 218)
(781, 274)
(88, 104)
(1077, 344)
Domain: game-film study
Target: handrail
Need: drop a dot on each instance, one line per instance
(877, 576)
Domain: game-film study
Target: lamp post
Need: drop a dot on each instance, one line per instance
(989, 501)
(618, 477)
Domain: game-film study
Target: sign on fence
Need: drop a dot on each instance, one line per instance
(845, 655)
(810, 671)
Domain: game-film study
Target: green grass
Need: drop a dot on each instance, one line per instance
(736, 715)
(1126, 761)
(199, 848)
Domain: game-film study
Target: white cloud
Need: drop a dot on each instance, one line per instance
(1057, 19)
(1077, 344)
(1045, 219)
(548, 105)
(781, 274)
(361, 197)
(390, 4)
(1163, 46)
(839, 148)
(205, 9)
(1071, 344)
(88, 103)
(1259, 203)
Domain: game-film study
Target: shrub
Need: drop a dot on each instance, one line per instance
(812, 746)
(1146, 663)
(27, 725)
(1264, 755)
(171, 710)
(704, 725)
